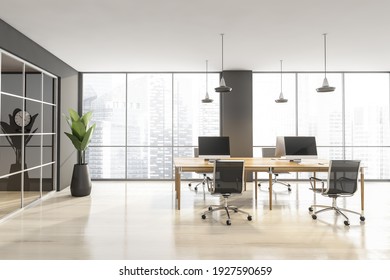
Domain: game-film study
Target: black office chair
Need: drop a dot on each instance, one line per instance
(270, 153)
(342, 181)
(228, 178)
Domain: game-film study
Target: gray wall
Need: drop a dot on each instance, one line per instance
(236, 113)
(18, 44)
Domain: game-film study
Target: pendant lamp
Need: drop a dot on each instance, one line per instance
(281, 99)
(325, 85)
(222, 85)
(207, 98)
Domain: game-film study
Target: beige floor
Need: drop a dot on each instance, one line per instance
(137, 220)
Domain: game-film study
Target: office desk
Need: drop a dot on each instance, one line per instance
(256, 165)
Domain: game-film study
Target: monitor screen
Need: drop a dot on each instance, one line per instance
(300, 146)
(214, 147)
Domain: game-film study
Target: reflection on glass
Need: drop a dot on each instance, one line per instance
(48, 119)
(10, 108)
(149, 163)
(107, 163)
(34, 110)
(193, 118)
(10, 199)
(33, 83)
(271, 119)
(11, 75)
(32, 185)
(105, 96)
(48, 89)
(149, 109)
(10, 154)
(32, 156)
(47, 178)
(47, 150)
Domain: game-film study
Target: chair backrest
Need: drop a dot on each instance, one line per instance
(268, 152)
(228, 176)
(343, 177)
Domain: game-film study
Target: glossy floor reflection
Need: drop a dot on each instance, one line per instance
(138, 220)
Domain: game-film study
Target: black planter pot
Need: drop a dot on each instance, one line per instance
(81, 182)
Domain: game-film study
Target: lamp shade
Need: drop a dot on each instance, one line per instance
(325, 87)
(222, 86)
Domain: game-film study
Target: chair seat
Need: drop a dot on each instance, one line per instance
(335, 193)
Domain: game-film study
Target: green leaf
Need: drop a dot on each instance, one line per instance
(88, 137)
(86, 118)
(78, 130)
(76, 142)
(73, 115)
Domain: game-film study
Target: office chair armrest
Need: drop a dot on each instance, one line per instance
(312, 180)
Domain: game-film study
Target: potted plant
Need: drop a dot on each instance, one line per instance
(81, 136)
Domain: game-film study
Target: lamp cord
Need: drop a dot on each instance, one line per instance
(207, 62)
(222, 51)
(325, 52)
(281, 76)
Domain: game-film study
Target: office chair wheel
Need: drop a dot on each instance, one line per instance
(314, 216)
(249, 218)
(289, 189)
(203, 216)
(346, 223)
(210, 208)
(362, 218)
(228, 222)
(310, 209)
(189, 184)
(196, 188)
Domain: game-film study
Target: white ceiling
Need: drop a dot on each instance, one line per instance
(179, 35)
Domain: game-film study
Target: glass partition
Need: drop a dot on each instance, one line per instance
(25, 134)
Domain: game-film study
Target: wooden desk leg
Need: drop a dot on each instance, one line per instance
(362, 190)
(255, 186)
(177, 186)
(270, 189)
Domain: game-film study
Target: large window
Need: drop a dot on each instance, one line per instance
(144, 120)
(350, 123)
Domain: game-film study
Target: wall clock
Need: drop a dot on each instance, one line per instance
(22, 116)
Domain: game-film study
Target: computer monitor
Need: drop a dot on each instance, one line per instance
(296, 147)
(214, 147)
(279, 147)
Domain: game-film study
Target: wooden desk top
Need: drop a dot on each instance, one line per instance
(258, 164)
